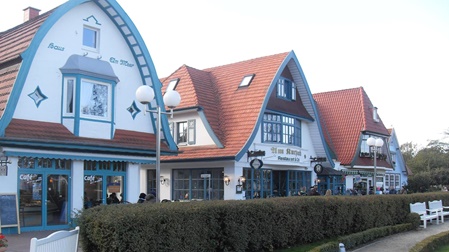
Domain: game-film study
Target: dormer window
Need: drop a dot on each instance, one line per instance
(90, 38)
(246, 80)
(172, 84)
(286, 89)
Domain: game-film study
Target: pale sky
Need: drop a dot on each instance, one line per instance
(398, 51)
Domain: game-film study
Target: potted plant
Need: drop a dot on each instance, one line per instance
(3, 243)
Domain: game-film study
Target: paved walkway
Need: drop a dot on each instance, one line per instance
(403, 241)
(397, 243)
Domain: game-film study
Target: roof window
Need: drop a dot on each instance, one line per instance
(247, 80)
(172, 84)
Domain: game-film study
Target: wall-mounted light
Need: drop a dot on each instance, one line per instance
(241, 180)
(317, 181)
(226, 180)
(163, 180)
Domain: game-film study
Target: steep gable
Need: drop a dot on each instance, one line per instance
(13, 43)
(232, 111)
(345, 114)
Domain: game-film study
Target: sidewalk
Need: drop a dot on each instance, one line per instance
(403, 241)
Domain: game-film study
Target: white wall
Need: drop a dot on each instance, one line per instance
(77, 185)
(132, 186)
(67, 34)
(202, 137)
(8, 184)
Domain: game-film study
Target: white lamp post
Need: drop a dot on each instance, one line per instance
(145, 95)
(376, 143)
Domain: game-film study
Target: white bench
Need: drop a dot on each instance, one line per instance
(424, 213)
(63, 240)
(437, 206)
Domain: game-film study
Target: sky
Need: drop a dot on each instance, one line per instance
(398, 51)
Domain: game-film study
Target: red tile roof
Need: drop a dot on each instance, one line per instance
(232, 111)
(55, 135)
(13, 42)
(25, 133)
(345, 114)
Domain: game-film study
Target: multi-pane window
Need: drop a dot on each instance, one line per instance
(198, 184)
(365, 149)
(182, 132)
(185, 132)
(281, 129)
(286, 89)
(392, 181)
(103, 179)
(90, 37)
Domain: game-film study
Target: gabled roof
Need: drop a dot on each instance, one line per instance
(13, 43)
(345, 114)
(395, 143)
(18, 46)
(232, 111)
(54, 136)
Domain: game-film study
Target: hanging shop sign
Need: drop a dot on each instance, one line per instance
(256, 163)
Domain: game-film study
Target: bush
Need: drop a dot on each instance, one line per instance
(246, 225)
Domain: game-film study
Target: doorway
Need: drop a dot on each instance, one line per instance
(43, 200)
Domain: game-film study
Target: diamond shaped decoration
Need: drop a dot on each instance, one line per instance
(133, 110)
(37, 96)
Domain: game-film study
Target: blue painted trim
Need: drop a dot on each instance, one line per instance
(77, 112)
(77, 157)
(153, 76)
(39, 92)
(290, 56)
(28, 56)
(209, 128)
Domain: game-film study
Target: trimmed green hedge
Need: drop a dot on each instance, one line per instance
(243, 225)
(432, 243)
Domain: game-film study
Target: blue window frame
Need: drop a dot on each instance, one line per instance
(189, 184)
(286, 89)
(44, 184)
(281, 129)
(299, 182)
(101, 179)
(258, 183)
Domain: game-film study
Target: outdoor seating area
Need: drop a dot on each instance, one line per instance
(437, 206)
(62, 240)
(425, 213)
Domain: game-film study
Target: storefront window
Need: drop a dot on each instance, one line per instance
(103, 180)
(44, 191)
(198, 184)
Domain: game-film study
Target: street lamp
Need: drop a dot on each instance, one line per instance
(376, 143)
(145, 95)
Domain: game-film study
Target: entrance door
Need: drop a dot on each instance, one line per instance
(56, 203)
(43, 200)
(44, 186)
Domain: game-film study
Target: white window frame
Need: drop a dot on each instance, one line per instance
(69, 92)
(83, 99)
(89, 47)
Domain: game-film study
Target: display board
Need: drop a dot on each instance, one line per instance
(9, 212)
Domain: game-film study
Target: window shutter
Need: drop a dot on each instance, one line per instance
(192, 132)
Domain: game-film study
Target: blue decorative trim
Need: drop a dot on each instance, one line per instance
(67, 156)
(290, 56)
(37, 96)
(133, 110)
(91, 17)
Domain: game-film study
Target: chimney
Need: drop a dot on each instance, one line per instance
(30, 13)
